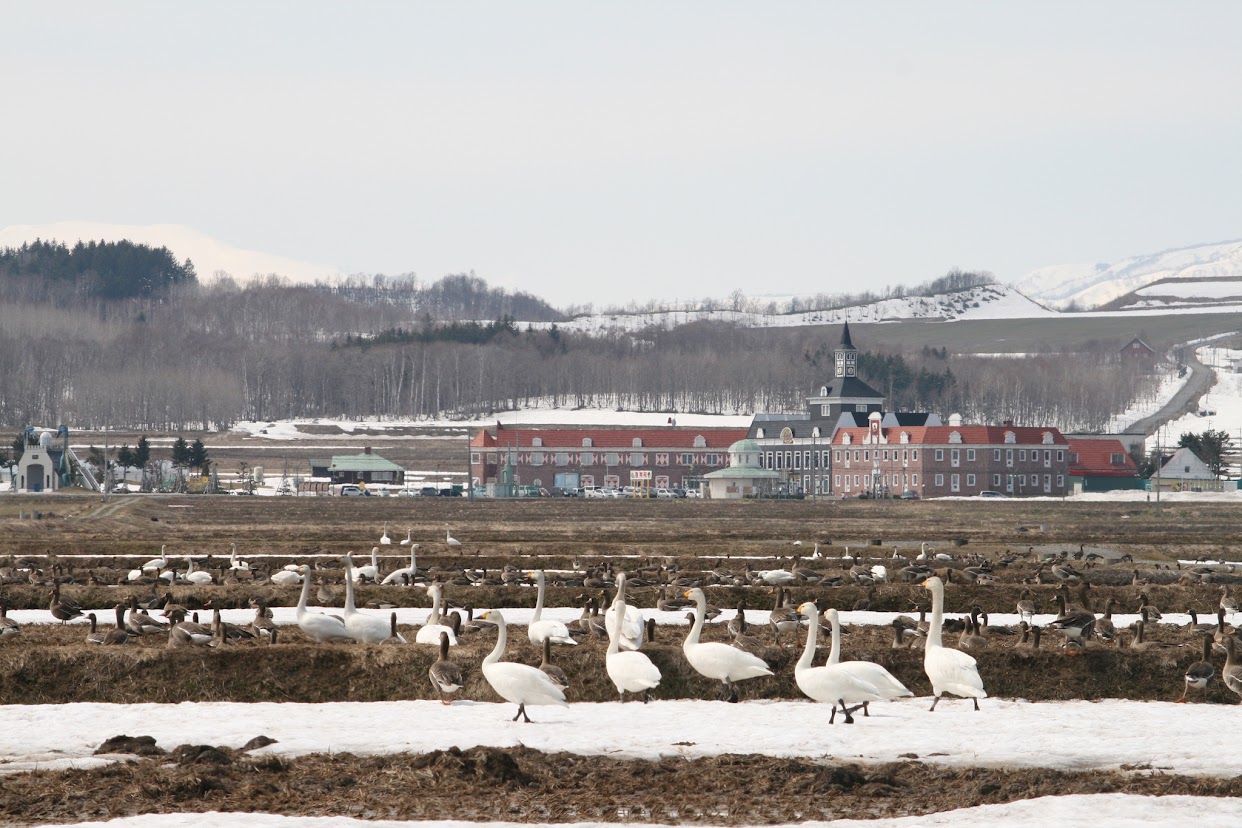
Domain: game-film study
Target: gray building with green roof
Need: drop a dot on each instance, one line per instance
(359, 468)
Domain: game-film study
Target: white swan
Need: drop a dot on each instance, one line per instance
(714, 659)
(316, 625)
(884, 682)
(540, 629)
(286, 577)
(397, 575)
(629, 671)
(197, 576)
(384, 539)
(371, 570)
(429, 633)
(832, 683)
(520, 684)
(363, 628)
(633, 625)
(409, 537)
(234, 563)
(950, 671)
(156, 563)
(449, 539)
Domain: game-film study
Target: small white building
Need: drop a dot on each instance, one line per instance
(41, 463)
(1185, 472)
(743, 477)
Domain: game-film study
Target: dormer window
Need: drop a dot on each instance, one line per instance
(815, 432)
(905, 437)
(759, 434)
(955, 437)
(1047, 438)
(700, 441)
(846, 439)
(536, 441)
(1010, 437)
(637, 443)
(586, 442)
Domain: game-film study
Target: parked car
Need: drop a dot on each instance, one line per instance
(909, 494)
(350, 490)
(429, 491)
(664, 494)
(992, 494)
(696, 493)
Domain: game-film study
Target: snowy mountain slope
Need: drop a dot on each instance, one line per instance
(209, 255)
(985, 302)
(1097, 284)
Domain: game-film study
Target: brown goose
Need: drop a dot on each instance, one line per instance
(95, 636)
(1140, 644)
(7, 625)
(1073, 625)
(742, 639)
(784, 619)
(188, 633)
(1199, 674)
(263, 626)
(445, 675)
(140, 623)
(1104, 627)
(553, 672)
(1231, 673)
(1153, 615)
(1227, 602)
(113, 637)
(970, 638)
(63, 609)
(1026, 607)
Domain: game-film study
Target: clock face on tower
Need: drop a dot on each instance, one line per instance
(840, 371)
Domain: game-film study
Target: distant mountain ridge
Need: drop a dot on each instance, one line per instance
(1098, 284)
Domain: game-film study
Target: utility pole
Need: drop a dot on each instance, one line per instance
(1159, 463)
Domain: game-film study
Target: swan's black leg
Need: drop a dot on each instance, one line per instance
(976, 701)
(732, 694)
(522, 712)
(646, 696)
(934, 703)
(833, 717)
(849, 719)
(866, 710)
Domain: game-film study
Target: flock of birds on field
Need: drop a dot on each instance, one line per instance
(846, 685)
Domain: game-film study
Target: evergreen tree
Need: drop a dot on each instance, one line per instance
(198, 456)
(19, 447)
(181, 452)
(1210, 447)
(142, 453)
(125, 456)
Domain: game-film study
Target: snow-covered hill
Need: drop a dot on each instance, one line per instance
(209, 255)
(986, 302)
(1097, 284)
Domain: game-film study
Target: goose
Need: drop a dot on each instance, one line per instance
(716, 660)
(971, 639)
(7, 625)
(1139, 643)
(518, 684)
(633, 625)
(1199, 674)
(1227, 602)
(95, 636)
(287, 577)
(590, 622)
(429, 633)
(234, 563)
(884, 682)
(197, 576)
(629, 670)
(1026, 607)
(554, 672)
(783, 618)
(737, 624)
(141, 623)
(113, 637)
(318, 626)
(1231, 673)
(157, 564)
(263, 625)
(63, 609)
(1104, 627)
(370, 571)
(445, 675)
(832, 683)
(188, 633)
(540, 629)
(1153, 615)
(1073, 625)
(384, 539)
(950, 671)
(325, 595)
(409, 537)
(363, 628)
(394, 637)
(452, 541)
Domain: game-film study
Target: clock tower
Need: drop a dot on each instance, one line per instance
(846, 355)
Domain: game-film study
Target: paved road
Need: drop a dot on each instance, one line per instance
(1200, 380)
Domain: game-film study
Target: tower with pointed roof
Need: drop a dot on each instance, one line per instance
(845, 392)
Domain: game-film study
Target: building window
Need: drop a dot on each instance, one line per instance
(662, 481)
(856, 483)
(955, 483)
(768, 465)
(587, 458)
(1022, 480)
(713, 459)
(536, 458)
(939, 455)
(537, 482)
(1009, 457)
(886, 455)
(759, 434)
(780, 460)
(823, 411)
(940, 480)
(996, 480)
(914, 455)
(970, 455)
(1047, 483)
(955, 437)
(806, 459)
(637, 442)
(970, 481)
(1060, 481)
(1021, 455)
(996, 455)
(797, 460)
(612, 481)
(1116, 458)
(836, 480)
(685, 459)
(662, 459)
(536, 442)
(700, 441)
(1060, 455)
(955, 457)
(861, 407)
(855, 455)
(586, 442)
(562, 458)
(588, 481)
(612, 458)
(914, 480)
(1047, 458)
(474, 457)
(825, 459)
(637, 458)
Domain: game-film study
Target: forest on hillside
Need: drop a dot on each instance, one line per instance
(187, 355)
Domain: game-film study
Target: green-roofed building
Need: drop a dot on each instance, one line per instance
(359, 468)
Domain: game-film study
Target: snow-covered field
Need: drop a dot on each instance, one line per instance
(1098, 811)
(1190, 289)
(1224, 399)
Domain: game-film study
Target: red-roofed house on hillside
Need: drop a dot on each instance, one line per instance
(1101, 466)
(949, 460)
(606, 458)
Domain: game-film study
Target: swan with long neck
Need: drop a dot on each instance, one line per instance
(316, 625)
(398, 576)
(196, 576)
(832, 683)
(371, 570)
(541, 629)
(519, 684)
(716, 660)
(363, 628)
(632, 629)
(950, 671)
(384, 539)
(429, 633)
(236, 564)
(884, 682)
(630, 670)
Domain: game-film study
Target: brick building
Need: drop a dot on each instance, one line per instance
(607, 458)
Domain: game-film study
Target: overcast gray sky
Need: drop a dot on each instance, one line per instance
(596, 152)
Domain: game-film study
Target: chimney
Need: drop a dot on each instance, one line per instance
(366, 450)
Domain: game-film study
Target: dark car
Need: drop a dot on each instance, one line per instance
(909, 494)
(429, 491)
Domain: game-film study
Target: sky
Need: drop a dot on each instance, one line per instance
(596, 152)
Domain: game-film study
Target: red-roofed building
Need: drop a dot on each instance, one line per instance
(1101, 465)
(605, 458)
(954, 459)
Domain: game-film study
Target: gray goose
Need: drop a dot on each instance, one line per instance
(741, 637)
(1075, 625)
(970, 638)
(1026, 607)
(188, 633)
(263, 626)
(1227, 602)
(551, 670)
(140, 623)
(63, 609)
(1104, 627)
(7, 625)
(1199, 674)
(1231, 673)
(784, 619)
(445, 675)
(113, 637)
